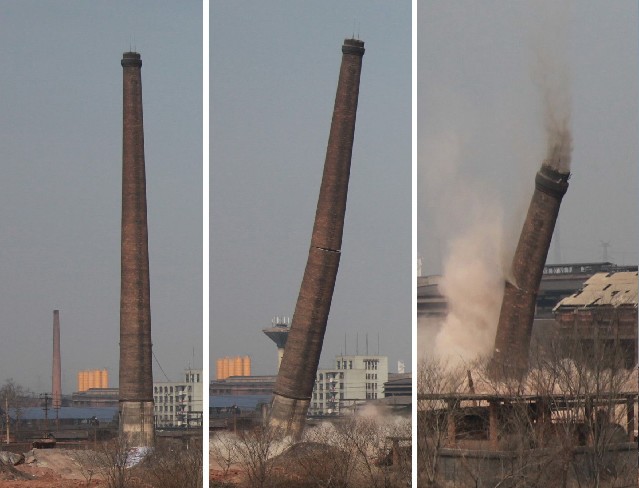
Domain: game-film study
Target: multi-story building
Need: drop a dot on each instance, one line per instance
(179, 404)
(354, 380)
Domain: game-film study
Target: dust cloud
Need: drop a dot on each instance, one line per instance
(469, 217)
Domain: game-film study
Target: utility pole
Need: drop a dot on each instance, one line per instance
(6, 411)
(605, 246)
(46, 398)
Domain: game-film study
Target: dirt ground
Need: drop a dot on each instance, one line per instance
(52, 468)
(233, 476)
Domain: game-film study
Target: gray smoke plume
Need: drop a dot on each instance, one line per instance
(551, 74)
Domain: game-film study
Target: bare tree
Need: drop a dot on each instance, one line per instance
(224, 449)
(14, 396)
(323, 459)
(434, 378)
(86, 461)
(566, 423)
(256, 448)
(172, 466)
(112, 460)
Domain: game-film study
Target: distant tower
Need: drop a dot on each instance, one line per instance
(136, 376)
(56, 380)
(296, 377)
(278, 334)
(401, 368)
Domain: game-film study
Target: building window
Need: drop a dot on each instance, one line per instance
(350, 365)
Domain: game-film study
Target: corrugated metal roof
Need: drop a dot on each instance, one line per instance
(104, 414)
(605, 289)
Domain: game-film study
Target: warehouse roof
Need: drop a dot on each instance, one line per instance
(605, 289)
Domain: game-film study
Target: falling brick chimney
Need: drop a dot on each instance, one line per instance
(296, 377)
(136, 377)
(56, 380)
(512, 342)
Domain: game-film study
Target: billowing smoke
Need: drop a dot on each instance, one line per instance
(470, 219)
(550, 32)
(473, 286)
(466, 213)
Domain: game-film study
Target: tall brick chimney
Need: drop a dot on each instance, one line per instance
(56, 380)
(296, 377)
(512, 342)
(136, 376)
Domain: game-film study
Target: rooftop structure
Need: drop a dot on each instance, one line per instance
(278, 333)
(600, 320)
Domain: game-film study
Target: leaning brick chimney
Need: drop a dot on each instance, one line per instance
(296, 377)
(56, 380)
(512, 342)
(136, 377)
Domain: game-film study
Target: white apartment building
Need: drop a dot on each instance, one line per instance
(179, 404)
(354, 380)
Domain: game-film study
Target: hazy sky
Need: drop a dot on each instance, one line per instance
(480, 120)
(274, 70)
(60, 192)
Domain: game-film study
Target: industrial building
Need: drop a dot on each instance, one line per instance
(558, 281)
(232, 366)
(600, 320)
(93, 378)
(353, 381)
(178, 404)
(96, 397)
(243, 385)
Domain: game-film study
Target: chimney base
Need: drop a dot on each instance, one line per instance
(137, 424)
(289, 415)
